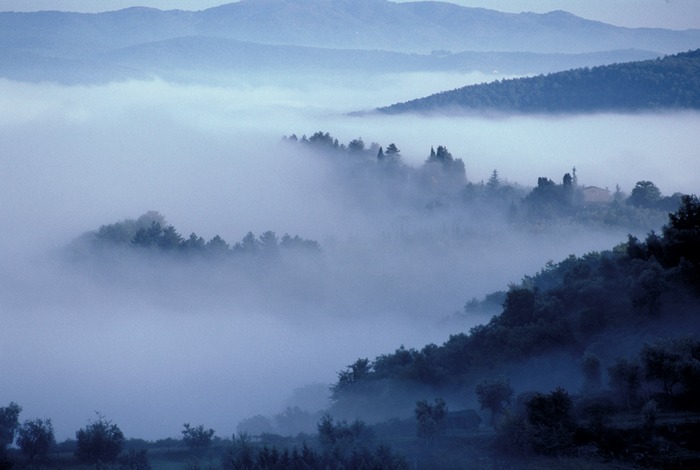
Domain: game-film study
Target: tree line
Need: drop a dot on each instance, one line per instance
(441, 183)
(671, 82)
(560, 423)
(151, 232)
(102, 444)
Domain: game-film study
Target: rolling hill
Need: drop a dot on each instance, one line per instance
(672, 82)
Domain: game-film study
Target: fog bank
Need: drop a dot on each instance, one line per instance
(154, 344)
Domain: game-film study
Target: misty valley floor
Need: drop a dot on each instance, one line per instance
(87, 156)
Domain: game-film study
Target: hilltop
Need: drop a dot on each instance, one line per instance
(671, 82)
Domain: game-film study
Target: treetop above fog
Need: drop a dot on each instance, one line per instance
(151, 232)
(442, 182)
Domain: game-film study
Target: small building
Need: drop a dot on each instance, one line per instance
(595, 195)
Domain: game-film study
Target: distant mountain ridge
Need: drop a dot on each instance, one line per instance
(208, 53)
(672, 82)
(356, 24)
(425, 26)
(127, 42)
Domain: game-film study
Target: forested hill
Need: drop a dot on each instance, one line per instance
(671, 82)
(605, 303)
(631, 311)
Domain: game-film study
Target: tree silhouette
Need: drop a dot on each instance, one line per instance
(431, 418)
(552, 425)
(626, 377)
(645, 194)
(197, 438)
(35, 438)
(9, 422)
(494, 395)
(99, 442)
(590, 366)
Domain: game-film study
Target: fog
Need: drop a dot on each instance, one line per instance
(153, 343)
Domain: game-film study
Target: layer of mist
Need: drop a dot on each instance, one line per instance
(154, 342)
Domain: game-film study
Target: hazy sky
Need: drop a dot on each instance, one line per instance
(677, 14)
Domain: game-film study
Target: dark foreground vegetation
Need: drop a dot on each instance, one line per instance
(671, 82)
(101, 444)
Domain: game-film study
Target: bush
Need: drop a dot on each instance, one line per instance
(197, 438)
(552, 425)
(135, 459)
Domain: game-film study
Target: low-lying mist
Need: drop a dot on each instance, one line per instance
(154, 342)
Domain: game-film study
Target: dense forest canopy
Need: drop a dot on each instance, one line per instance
(671, 82)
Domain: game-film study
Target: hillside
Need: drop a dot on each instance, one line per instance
(631, 311)
(329, 35)
(672, 82)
